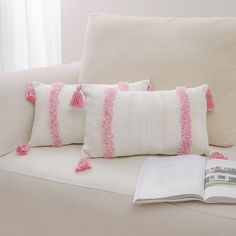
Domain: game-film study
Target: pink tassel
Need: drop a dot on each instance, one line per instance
(22, 149)
(123, 86)
(83, 165)
(218, 155)
(77, 99)
(150, 87)
(210, 100)
(30, 93)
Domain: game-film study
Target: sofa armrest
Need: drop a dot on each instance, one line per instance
(16, 114)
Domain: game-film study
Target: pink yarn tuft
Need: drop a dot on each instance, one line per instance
(185, 121)
(53, 110)
(210, 100)
(123, 85)
(77, 99)
(218, 155)
(107, 135)
(30, 93)
(83, 165)
(22, 149)
(151, 87)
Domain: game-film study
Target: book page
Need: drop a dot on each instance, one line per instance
(175, 177)
(220, 181)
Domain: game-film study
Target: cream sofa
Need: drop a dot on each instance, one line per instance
(40, 194)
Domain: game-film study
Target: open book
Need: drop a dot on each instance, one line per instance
(186, 178)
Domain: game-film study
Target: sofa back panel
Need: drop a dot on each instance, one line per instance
(17, 114)
(171, 52)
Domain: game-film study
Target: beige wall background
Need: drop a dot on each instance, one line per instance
(74, 14)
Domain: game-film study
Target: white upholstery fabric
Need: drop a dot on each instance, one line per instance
(17, 114)
(171, 52)
(145, 122)
(96, 202)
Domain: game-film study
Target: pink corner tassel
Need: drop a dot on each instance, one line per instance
(123, 85)
(151, 87)
(210, 100)
(22, 149)
(77, 99)
(83, 165)
(218, 155)
(30, 93)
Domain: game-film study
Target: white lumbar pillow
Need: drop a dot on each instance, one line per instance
(56, 123)
(137, 123)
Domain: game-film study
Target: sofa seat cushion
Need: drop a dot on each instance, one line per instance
(58, 164)
(97, 201)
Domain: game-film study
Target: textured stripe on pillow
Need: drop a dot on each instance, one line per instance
(185, 121)
(53, 113)
(107, 134)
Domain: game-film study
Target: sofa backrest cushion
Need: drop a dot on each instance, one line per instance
(171, 52)
(16, 113)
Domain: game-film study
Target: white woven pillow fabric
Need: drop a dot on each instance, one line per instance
(138, 123)
(55, 122)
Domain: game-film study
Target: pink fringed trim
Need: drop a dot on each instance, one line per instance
(218, 155)
(53, 110)
(83, 165)
(30, 93)
(210, 100)
(185, 121)
(107, 135)
(77, 99)
(123, 86)
(151, 87)
(22, 149)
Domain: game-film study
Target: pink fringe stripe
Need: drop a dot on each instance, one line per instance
(107, 135)
(30, 93)
(210, 100)
(77, 99)
(185, 121)
(218, 155)
(123, 86)
(53, 110)
(22, 149)
(83, 165)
